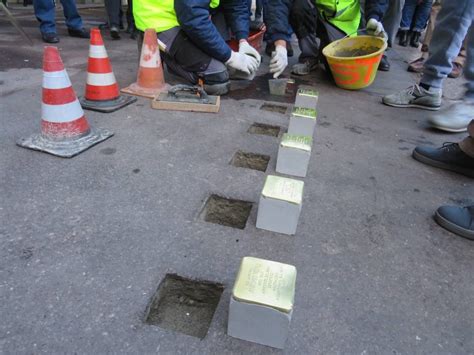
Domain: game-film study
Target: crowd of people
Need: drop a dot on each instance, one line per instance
(195, 35)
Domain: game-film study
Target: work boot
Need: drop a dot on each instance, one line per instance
(415, 96)
(79, 33)
(454, 118)
(384, 64)
(403, 38)
(306, 67)
(458, 220)
(449, 157)
(114, 32)
(50, 37)
(456, 71)
(415, 39)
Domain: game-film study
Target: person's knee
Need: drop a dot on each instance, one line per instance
(216, 78)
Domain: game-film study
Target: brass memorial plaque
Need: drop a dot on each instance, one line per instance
(297, 142)
(284, 189)
(266, 282)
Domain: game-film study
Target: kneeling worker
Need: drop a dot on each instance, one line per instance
(195, 48)
(316, 23)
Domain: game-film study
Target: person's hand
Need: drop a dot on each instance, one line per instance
(375, 28)
(279, 61)
(246, 48)
(242, 62)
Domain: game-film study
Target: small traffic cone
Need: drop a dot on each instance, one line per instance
(102, 91)
(150, 80)
(65, 131)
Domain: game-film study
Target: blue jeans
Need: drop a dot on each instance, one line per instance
(454, 21)
(415, 16)
(45, 13)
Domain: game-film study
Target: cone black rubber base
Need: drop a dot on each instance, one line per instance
(65, 149)
(107, 106)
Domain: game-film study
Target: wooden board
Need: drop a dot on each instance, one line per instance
(159, 103)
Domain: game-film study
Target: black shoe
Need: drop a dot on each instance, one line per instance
(458, 220)
(50, 37)
(415, 39)
(449, 157)
(79, 33)
(114, 32)
(384, 64)
(403, 38)
(133, 35)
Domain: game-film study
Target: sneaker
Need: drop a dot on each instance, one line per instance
(454, 118)
(50, 37)
(306, 67)
(114, 32)
(449, 157)
(458, 220)
(415, 96)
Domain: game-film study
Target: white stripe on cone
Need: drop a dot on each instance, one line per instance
(97, 51)
(101, 79)
(153, 62)
(56, 80)
(62, 113)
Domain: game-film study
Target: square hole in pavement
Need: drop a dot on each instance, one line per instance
(274, 108)
(265, 129)
(184, 305)
(250, 160)
(227, 212)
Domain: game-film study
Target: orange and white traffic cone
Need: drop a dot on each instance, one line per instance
(102, 91)
(65, 131)
(150, 80)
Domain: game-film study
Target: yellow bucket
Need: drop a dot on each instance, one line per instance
(354, 60)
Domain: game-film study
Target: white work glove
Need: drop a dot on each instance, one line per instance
(242, 62)
(279, 61)
(375, 28)
(246, 48)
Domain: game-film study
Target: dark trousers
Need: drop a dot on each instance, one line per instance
(415, 15)
(114, 12)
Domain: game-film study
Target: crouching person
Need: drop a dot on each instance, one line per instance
(193, 32)
(316, 23)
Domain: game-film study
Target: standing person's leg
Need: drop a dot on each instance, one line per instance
(469, 69)
(421, 18)
(45, 13)
(73, 19)
(456, 117)
(453, 22)
(113, 13)
(392, 18)
(406, 21)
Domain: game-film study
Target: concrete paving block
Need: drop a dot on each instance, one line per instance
(307, 97)
(280, 204)
(302, 121)
(294, 154)
(262, 301)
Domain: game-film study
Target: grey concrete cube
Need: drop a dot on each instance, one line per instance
(306, 97)
(261, 304)
(294, 154)
(302, 121)
(280, 205)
